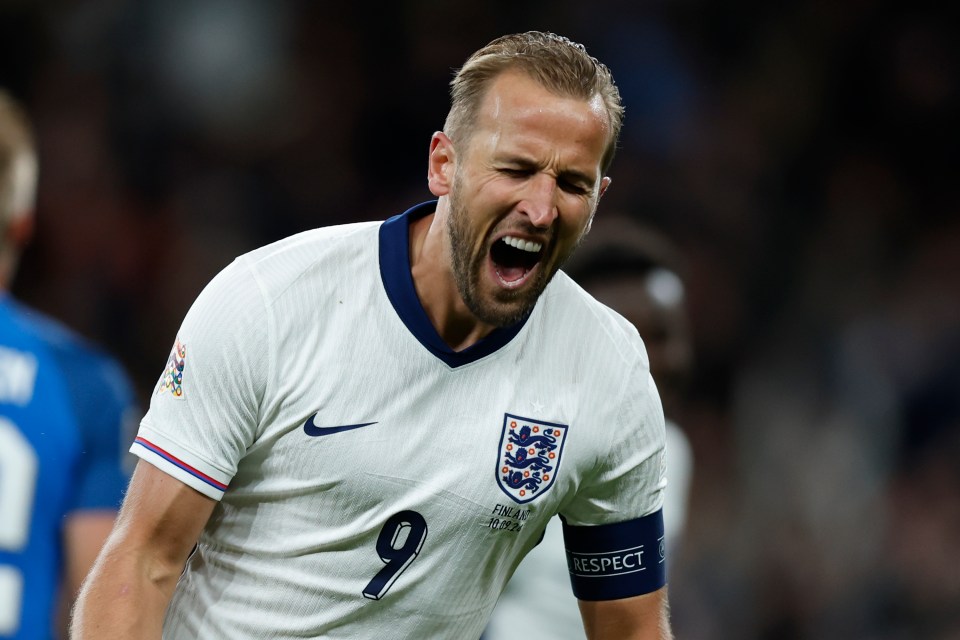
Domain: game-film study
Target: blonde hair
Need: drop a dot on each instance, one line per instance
(18, 161)
(555, 62)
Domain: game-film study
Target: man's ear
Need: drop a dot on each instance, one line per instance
(442, 164)
(604, 185)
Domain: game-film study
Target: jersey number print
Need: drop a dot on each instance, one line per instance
(18, 481)
(398, 544)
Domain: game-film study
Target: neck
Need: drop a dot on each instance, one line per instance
(436, 287)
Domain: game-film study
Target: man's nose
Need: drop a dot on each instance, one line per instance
(539, 203)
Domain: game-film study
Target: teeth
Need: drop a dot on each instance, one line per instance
(523, 245)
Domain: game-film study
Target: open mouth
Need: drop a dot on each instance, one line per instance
(514, 259)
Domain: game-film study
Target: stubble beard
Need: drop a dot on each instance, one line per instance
(468, 270)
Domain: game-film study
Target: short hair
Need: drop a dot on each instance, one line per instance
(555, 62)
(18, 161)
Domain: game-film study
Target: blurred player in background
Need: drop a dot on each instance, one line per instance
(62, 409)
(635, 271)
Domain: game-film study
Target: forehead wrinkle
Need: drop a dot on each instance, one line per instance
(511, 115)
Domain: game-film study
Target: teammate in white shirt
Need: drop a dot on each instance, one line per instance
(363, 429)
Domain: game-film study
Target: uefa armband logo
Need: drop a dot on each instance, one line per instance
(172, 378)
(529, 456)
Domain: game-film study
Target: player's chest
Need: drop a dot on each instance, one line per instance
(495, 447)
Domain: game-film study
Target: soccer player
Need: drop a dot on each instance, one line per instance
(632, 269)
(362, 429)
(62, 407)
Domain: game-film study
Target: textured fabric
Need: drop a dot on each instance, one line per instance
(363, 467)
(63, 406)
(542, 581)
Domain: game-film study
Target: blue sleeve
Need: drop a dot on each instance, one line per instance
(613, 561)
(106, 414)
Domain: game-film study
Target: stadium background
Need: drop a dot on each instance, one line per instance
(802, 155)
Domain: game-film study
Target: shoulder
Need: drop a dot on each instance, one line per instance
(265, 297)
(307, 247)
(324, 251)
(587, 325)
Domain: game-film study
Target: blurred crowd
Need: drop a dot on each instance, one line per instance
(801, 156)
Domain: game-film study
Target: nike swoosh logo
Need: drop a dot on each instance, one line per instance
(313, 430)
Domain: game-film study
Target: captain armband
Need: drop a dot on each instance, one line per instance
(613, 561)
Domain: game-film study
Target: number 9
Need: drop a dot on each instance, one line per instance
(409, 529)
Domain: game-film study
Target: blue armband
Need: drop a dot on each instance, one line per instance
(613, 561)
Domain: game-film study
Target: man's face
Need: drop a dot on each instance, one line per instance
(526, 185)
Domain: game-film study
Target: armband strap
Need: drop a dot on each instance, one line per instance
(613, 561)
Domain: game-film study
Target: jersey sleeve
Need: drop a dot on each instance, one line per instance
(204, 411)
(613, 530)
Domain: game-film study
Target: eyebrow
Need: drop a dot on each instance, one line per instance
(571, 175)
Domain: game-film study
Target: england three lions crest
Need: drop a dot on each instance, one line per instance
(529, 456)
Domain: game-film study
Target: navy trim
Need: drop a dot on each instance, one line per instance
(398, 282)
(613, 561)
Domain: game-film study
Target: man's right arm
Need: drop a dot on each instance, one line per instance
(127, 592)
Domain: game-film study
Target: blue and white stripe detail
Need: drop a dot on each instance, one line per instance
(175, 466)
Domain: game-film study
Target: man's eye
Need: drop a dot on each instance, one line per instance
(572, 187)
(515, 173)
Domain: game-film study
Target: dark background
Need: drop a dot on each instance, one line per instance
(802, 156)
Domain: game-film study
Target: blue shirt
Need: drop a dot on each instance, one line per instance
(63, 406)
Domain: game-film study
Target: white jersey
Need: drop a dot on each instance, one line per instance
(541, 580)
(372, 482)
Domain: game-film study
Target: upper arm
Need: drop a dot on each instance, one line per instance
(133, 579)
(643, 617)
(613, 531)
(159, 522)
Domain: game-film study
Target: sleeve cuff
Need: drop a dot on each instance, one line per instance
(204, 478)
